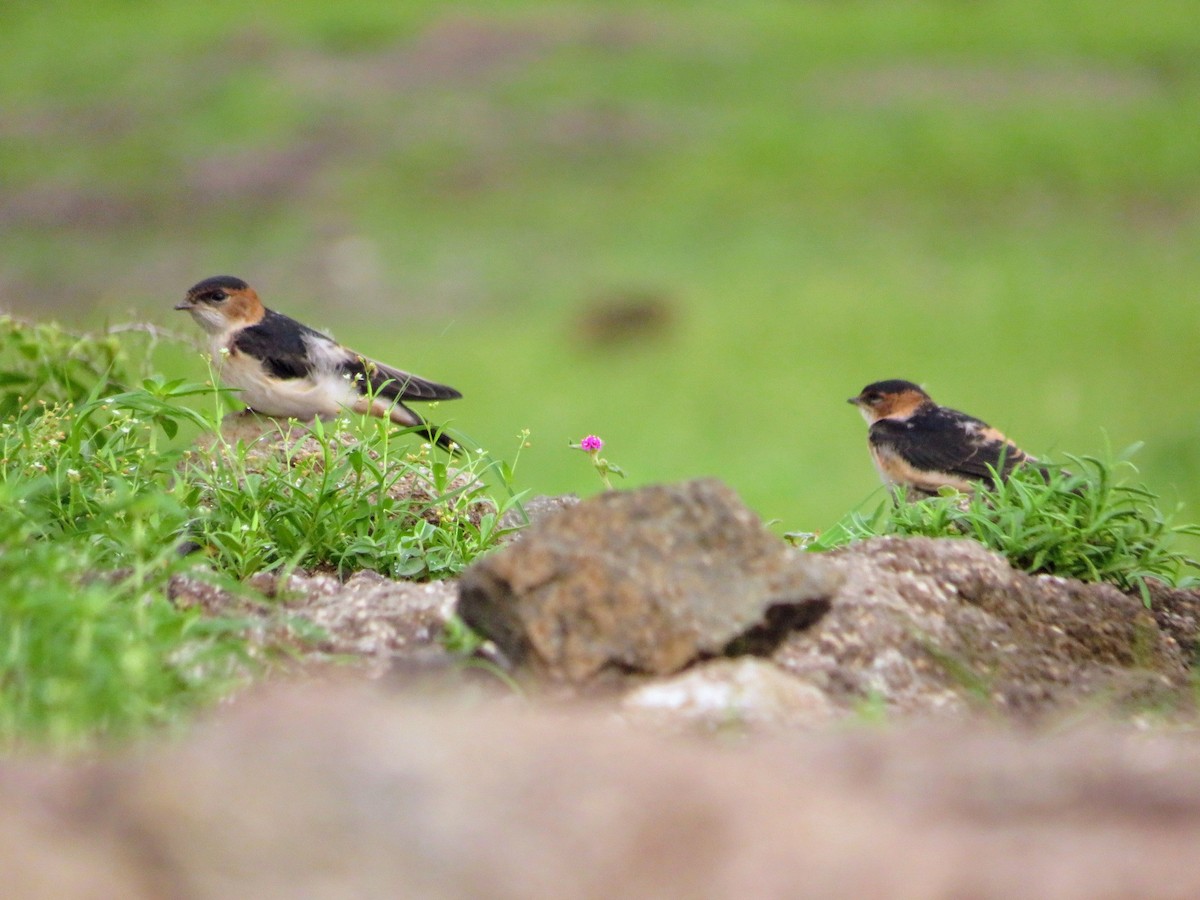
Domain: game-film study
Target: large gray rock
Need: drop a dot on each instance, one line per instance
(645, 581)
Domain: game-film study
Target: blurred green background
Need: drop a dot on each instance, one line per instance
(691, 228)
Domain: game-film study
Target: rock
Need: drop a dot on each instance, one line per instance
(650, 582)
(746, 692)
(378, 618)
(250, 428)
(368, 616)
(928, 625)
(533, 509)
(339, 791)
(1178, 615)
(643, 581)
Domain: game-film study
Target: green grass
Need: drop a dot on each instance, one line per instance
(1089, 523)
(102, 501)
(90, 646)
(1000, 200)
(87, 653)
(331, 499)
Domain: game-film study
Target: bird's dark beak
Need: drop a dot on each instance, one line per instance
(853, 401)
(186, 304)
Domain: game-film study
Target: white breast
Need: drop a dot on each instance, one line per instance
(324, 393)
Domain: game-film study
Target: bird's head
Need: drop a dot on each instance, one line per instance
(222, 303)
(893, 399)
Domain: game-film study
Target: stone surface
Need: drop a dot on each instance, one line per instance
(1178, 615)
(532, 510)
(643, 581)
(376, 617)
(742, 693)
(632, 586)
(370, 617)
(343, 792)
(926, 625)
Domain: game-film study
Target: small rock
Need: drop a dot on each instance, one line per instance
(249, 428)
(644, 581)
(377, 618)
(534, 509)
(368, 616)
(723, 693)
(1177, 612)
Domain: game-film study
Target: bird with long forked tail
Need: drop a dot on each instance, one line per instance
(284, 368)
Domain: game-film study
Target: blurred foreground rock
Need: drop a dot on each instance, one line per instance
(342, 791)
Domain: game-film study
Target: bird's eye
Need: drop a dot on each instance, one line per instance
(217, 296)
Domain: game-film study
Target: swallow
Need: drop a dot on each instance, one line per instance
(288, 370)
(922, 447)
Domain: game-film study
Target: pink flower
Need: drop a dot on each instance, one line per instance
(591, 444)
